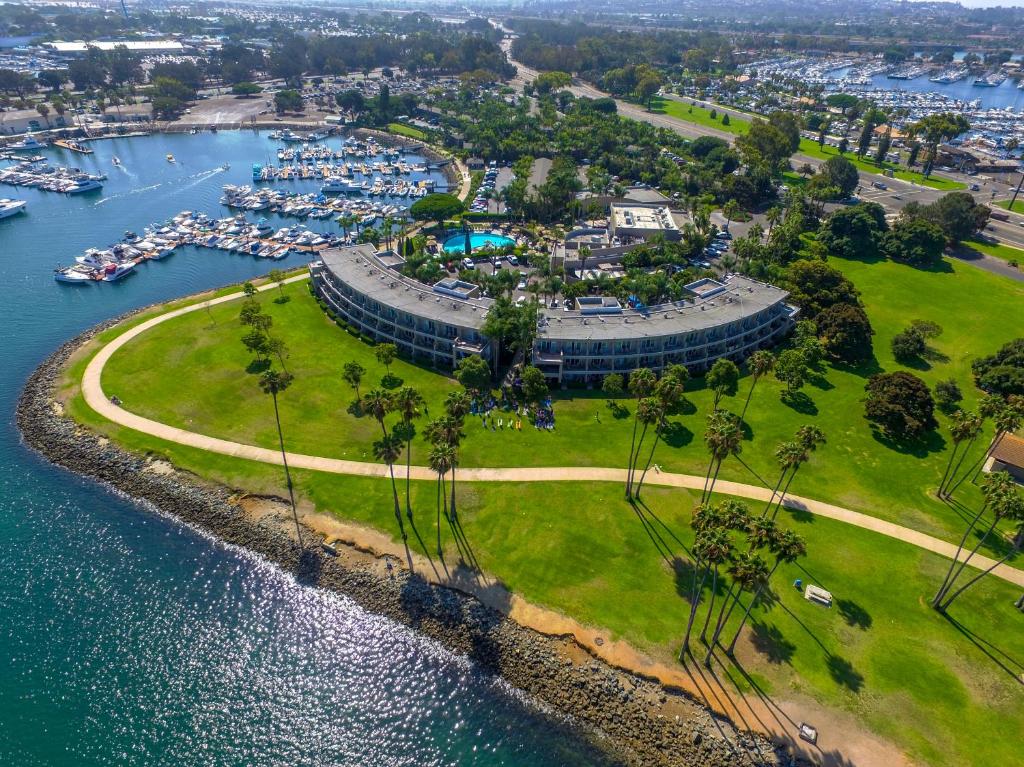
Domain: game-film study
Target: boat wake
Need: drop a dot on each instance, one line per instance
(128, 193)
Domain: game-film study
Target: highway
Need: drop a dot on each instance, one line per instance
(893, 198)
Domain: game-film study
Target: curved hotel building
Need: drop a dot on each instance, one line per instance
(440, 324)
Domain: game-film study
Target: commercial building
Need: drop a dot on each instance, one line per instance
(440, 324)
(437, 324)
(140, 47)
(639, 221)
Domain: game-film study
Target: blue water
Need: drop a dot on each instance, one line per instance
(477, 240)
(128, 639)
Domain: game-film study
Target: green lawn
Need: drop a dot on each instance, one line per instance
(1018, 206)
(191, 372)
(407, 130)
(880, 654)
(998, 249)
(738, 126)
(699, 115)
(811, 149)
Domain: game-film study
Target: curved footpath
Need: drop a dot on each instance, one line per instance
(92, 390)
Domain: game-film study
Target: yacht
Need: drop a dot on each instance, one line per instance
(83, 184)
(29, 142)
(114, 272)
(79, 274)
(10, 207)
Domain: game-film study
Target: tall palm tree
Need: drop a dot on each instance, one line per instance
(378, 404)
(723, 438)
(388, 449)
(716, 554)
(705, 546)
(1007, 420)
(649, 412)
(668, 392)
(787, 547)
(808, 438)
(1013, 509)
(440, 460)
(457, 405)
(641, 384)
(760, 364)
(748, 571)
(447, 430)
(407, 402)
(965, 428)
(273, 383)
(998, 489)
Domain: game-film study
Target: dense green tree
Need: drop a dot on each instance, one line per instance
(855, 231)
(436, 207)
(1002, 372)
(814, 286)
(841, 174)
(845, 333)
(900, 404)
(723, 379)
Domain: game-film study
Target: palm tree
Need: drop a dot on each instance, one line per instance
(447, 430)
(773, 216)
(965, 427)
(667, 394)
(407, 403)
(748, 571)
(1013, 509)
(718, 552)
(807, 440)
(457, 405)
(1007, 420)
(648, 411)
(388, 450)
(273, 383)
(378, 404)
(440, 460)
(641, 384)
(706, 547)
(723, 438)
(353, 374)
(787, 547)
(998, 491)
(760, 364)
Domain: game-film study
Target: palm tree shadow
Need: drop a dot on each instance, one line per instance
(423, 547)
(800, 402)
(771, 643)
(843, 673)
(1005, 661)
(309, 566)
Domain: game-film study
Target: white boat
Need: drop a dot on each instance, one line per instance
(170, 158)
(79, 274)
(10, 207)
(114, 272)
(115, 160)
(83, 184)
(29, 142)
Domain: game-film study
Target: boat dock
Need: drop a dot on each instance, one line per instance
(50, 178)
(72, 146)
(232, 235)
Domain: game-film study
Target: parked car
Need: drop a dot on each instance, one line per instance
(513, 261)
(879, 185)
(468, 263)
(723, 235)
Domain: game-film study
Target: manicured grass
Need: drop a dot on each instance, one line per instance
(998, 249)
(1018, 206)
(407, 130)
(699, 115)
(191, 372)
(811, 149)
(880, 654)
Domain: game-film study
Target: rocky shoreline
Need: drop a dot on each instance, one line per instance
(631, 720)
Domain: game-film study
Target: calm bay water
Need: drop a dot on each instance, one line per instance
(127, 638)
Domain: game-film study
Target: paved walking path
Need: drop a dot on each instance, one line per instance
(92, 390)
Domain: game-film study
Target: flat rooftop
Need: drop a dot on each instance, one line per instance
(649, 218)
(716, 302)
(736, 298)
(360, 267)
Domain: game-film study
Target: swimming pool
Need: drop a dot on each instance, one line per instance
(477, 240)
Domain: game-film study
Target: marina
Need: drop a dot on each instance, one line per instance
(51, 178)
(216, 218)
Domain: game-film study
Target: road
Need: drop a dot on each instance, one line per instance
(896, 195)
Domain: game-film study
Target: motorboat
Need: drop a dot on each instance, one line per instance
(170, 157)
(10, 207)
(82, 184)
(115, 160)
(97, 259)
(79, 274)
(115, 271)
(29, 142)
